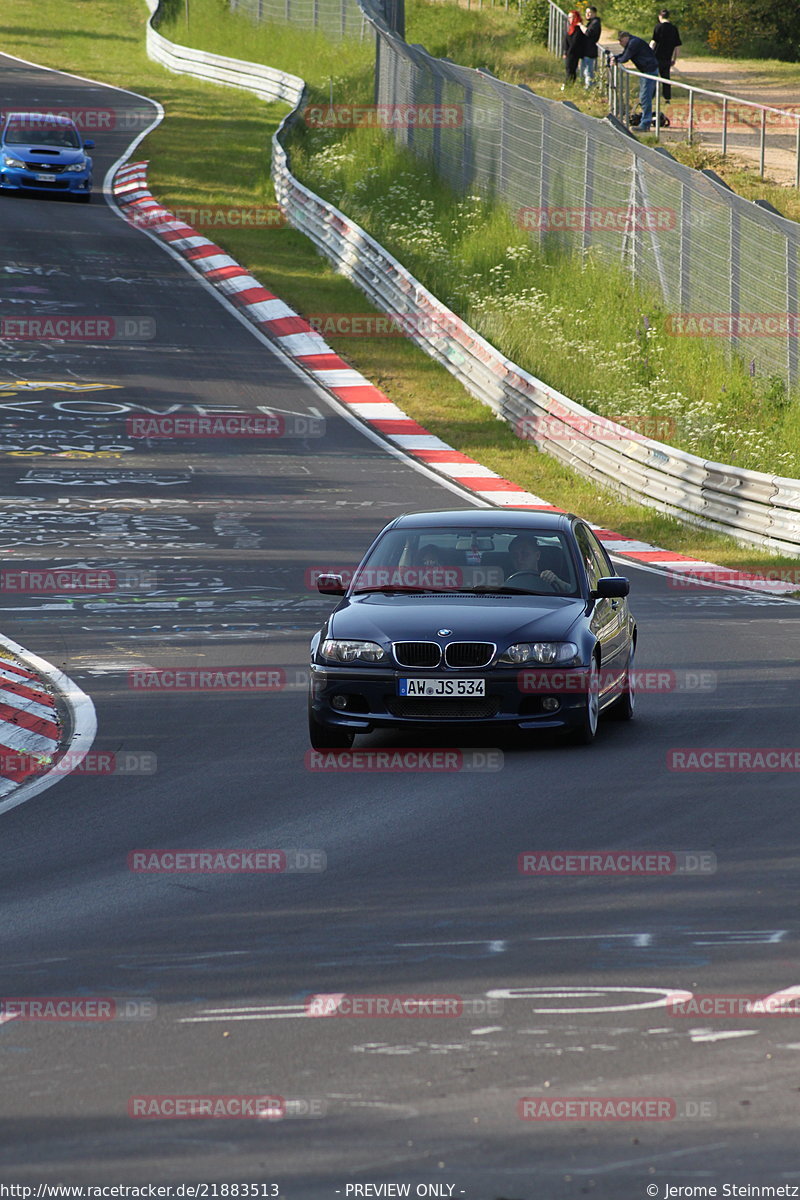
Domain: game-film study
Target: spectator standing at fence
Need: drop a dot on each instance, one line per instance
(590, 29)
(665, 43)
(637, 51)
(574, 46)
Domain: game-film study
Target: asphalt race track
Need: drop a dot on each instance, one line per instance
(564, 978)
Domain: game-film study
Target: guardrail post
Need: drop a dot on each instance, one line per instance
(763, 139)
(467, 154)
(792, 309)
(437, 128)
(588, 187)
(724, 127)
(685, 252)
(658, 110)
(736, 276)
(691, 116)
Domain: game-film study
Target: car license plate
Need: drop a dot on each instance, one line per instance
(46, 178)
(441, 687)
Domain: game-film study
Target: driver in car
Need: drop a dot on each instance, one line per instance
(525, 553)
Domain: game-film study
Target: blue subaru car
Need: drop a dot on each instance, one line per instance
(44, 153)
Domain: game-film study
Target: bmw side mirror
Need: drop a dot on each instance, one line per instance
(88, 145)
(331, 585)
(611, 587)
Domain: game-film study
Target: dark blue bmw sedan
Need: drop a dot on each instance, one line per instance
(509, 618)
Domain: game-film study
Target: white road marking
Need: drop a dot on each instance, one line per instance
(705, 1035)
(264, 1012)
(664, 996)
(603, 1168)
(790, 994)
(286, 1016)
(745, 937)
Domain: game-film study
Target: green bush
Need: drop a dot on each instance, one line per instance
(634, 15)
(534, 16)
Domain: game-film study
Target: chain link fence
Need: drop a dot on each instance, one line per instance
(725, 267)
(337, 19)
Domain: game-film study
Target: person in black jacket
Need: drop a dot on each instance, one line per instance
(590, 28)
(574, 46)
(637, 51)
(665, 43)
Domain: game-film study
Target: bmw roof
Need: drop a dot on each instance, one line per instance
(472, 518)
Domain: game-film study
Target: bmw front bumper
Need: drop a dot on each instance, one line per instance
(362, 699)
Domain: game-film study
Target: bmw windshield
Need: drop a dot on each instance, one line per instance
(499, 560)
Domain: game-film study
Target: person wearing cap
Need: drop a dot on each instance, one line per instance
(665, 43)
(637, 51)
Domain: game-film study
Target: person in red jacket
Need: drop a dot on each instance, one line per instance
(574, 46)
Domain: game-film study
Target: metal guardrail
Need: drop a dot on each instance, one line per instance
(265, 82)
(754, 507)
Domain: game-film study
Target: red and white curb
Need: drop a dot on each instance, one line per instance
(30, 729)
(300, 342)
(32, 737)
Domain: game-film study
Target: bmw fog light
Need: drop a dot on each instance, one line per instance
(550, 704)
(339, 702)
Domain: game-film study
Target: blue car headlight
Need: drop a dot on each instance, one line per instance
(8, 161)
(349, 651)
(541, 653)
(78, 166)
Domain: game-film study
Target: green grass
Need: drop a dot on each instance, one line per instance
(492, 38)
(104, 39)
(621, 362)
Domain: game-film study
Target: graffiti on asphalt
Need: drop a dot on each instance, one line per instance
(106, 478)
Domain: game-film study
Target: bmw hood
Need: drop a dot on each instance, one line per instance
(501, 619)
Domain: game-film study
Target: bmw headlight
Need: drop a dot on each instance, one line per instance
(77, 166)
(542, 653)
(8, 161)
(341, 651)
